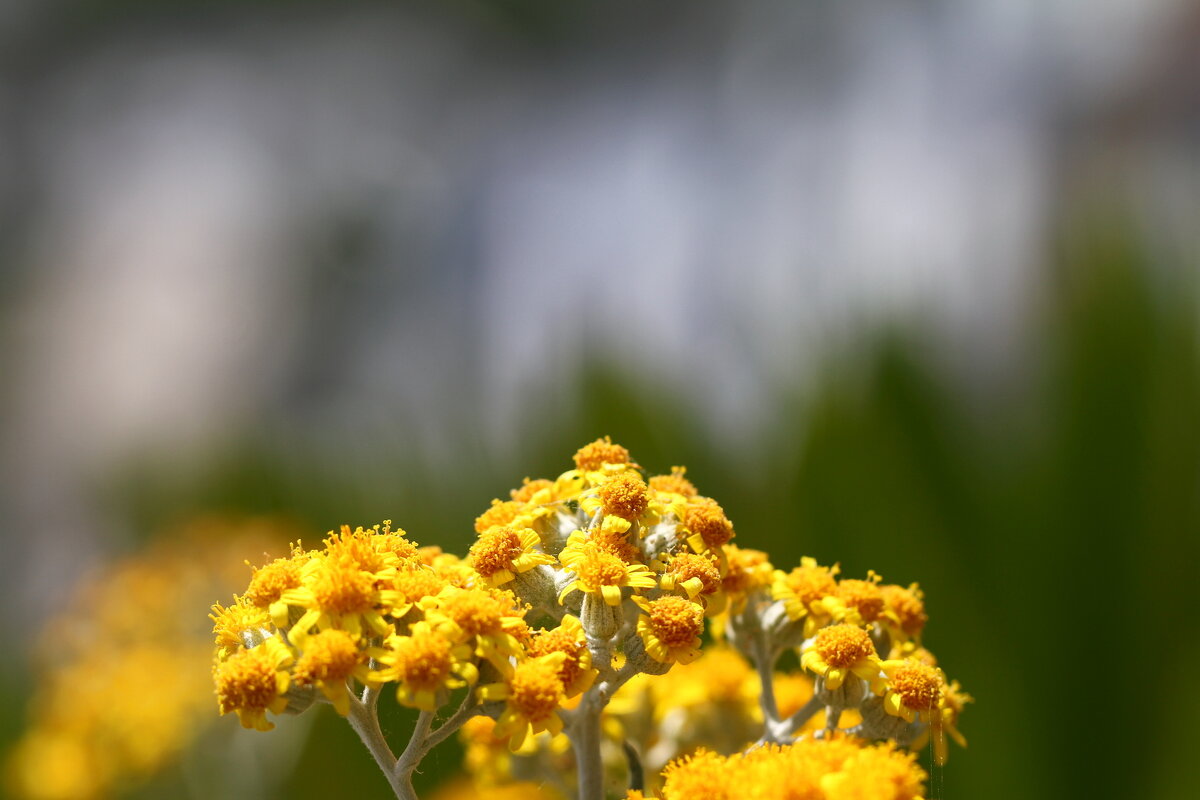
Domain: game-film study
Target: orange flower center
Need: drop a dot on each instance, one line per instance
(810, 584)
(674, 483)
(535, 690)
(685, 566)
(864, 596)
(624, 496)
(919, 685)
(331, 655)
(423, 661)
(246, 680)
(597, 568)
(495, 550)
(600, 452)
(843, 645)
(710, 523)
(271, 581)
(342, 588)
(675, 621)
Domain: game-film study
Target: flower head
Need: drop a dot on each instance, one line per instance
(504, 551)
(533, 693)
(599, 454)
(330, 658)
(252, 681)
(913, 689)
(838, 651)
(576, 672)
(599, 572)
(426, 665)
(670, 628)
(802, 591)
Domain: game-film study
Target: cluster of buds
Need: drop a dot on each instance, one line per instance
(574, 588)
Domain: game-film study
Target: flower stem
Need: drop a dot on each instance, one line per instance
(365, 722)
(585, 739)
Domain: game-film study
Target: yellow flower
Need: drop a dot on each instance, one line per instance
(876, 773)
(857, 602)
(252, 681)
(747, 571)
(904, 611)
(490, 619)
(235, 624)
(269, 582)
(839, 651)
(622, 495)
(536, 491)
(412, 586)
(697, 576)
(675, 483)
(504, 551)
(532, 694)
(810, 769)
(600, 573)
(426, 665)
(703, 775)
(338, 593)
(914, 689)
(601, 453)
(802, 591)
(670, 628)
(501, 513)
(330, 658)
(576, 673)
(707, 526)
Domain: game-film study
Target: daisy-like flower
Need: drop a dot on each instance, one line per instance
(532, 694)
(839, 651)
(904, 611)
(491, 620)
(238, 626)
(623, 495)
(251, 682)
(876, 773)
(338, 593)
(505, 551)
(707, 526)
(600, 455)
(426, 665)
(675, 483)
(698, 577)
(503, 512)
(534, 492)
(802, 591)
(670, 628)
(412, 586)
(331, 658)
(857, 602)
(576, 672)
(747, 571)
(269, 583)
(914, 691)
(602, 574)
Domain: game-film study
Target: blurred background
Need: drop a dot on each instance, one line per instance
(909, 285)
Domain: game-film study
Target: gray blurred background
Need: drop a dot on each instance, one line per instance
(908, 284)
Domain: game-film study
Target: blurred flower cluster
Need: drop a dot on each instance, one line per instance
(120, 692)
(549, 638)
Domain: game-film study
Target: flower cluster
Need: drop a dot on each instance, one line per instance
(576, 592)
(120, 694)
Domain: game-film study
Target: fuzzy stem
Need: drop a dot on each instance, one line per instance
(365, 722)
(585, 738)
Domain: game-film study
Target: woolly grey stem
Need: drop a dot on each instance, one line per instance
(585, 739)
(365, 722)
